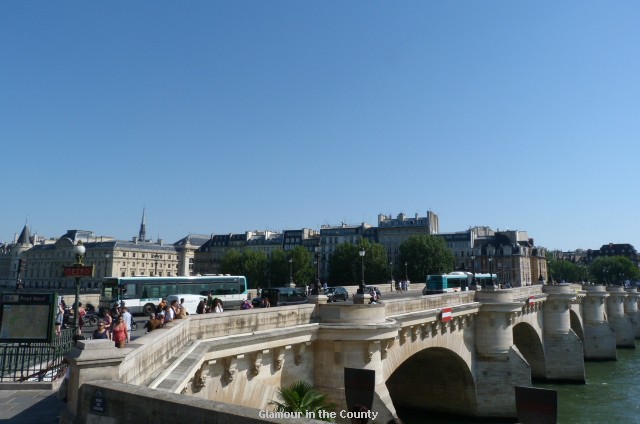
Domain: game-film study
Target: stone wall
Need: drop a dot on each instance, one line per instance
(154, 350)
(111, 402)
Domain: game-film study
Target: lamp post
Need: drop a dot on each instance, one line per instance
(362, 252)
(79, 250)
(490, 272)
(391, 272)
(156, 257)
(316, 289)
(406, 274)
(291, 273)
(106, 263)
(473, 269)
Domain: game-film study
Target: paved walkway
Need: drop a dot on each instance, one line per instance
(30, 407)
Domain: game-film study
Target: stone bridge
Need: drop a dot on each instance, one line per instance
(466, 360)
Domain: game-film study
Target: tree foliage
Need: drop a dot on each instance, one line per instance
(302, 397)
(424, 254)
(613, 270)
(345, 264)
(301, 267)
(562, 270)
(250, 263)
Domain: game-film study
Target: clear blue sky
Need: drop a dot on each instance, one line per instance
(228, 116)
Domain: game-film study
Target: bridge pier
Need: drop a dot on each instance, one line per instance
(354, 336)
(563, 350)
(599, 337)
(622, 325)
(499, 364)
(631, 309)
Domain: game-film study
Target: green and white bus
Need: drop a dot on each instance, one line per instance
(456, 281)
(144, 294)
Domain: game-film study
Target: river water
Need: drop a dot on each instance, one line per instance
(611, 395)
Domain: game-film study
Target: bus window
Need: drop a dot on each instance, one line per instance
(154, 292)
(110, 293)
(129, 292)
(230, 288)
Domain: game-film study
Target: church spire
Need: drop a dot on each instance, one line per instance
(142, 235)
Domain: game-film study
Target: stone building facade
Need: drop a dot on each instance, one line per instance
(512, 256)
(392, 232)
(44, 261)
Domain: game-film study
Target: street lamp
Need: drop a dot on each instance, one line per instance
(362, 252)
(106, 263)
(291, 273)
(490, 272)
(316, 289)
(156, 257)
(473, 269)
(79, 250)
(391, 271)
(406, 275)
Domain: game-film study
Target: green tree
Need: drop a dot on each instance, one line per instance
(249, 263)
(254, 264)
(278, 269)
(231, 263)
(376, 268)
(561, 270)
(303, 270)
(424, 254)
(345, 265)
(613, 270)
(301, 267)
(302, 397)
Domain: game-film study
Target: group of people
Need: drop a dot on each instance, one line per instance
(63, 316)
(165, 313)
(115, 325)
(211, 304)
(402, 285)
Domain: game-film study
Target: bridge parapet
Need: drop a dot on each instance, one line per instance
(153, 351)
(402, 306)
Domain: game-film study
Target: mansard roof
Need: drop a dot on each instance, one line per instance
(194, 239)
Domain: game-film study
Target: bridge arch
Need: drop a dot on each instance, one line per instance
(576, 324)
(434, 379)
(528, 342)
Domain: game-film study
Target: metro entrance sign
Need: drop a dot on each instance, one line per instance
(78, 271)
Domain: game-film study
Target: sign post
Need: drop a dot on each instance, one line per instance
(78, 270)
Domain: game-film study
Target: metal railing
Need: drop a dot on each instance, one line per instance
(35, 361)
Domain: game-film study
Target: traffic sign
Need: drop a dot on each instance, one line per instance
(78, 271)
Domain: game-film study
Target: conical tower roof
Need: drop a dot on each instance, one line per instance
(25, 235)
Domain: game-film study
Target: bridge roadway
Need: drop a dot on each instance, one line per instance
(231, 364)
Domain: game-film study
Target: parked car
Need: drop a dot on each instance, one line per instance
(336, 293)
(282, 296)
